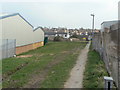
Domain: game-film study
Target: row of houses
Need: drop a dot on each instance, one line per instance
(67, 33)
(14, 26)
(106, 42)
(71, 32)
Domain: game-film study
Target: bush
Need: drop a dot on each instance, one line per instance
(74, 36)
(58, 38)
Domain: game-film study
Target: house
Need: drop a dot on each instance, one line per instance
(51, 35)
(14, 26)
(63, 34)
(107, 24)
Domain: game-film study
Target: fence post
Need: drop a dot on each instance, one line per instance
(7, 48)
(108, 83)
(15, 47)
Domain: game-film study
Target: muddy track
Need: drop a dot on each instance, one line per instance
(37, 79)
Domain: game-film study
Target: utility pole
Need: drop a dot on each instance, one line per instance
(92, 24)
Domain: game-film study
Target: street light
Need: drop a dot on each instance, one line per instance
(92, 23)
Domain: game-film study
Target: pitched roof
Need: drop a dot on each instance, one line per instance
(49, 33)
(3, 16)
(53, 33)
(38, 28)
(114, 21)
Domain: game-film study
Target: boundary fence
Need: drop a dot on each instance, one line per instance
(7, 48)
(106, 43)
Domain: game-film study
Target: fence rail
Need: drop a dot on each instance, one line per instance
(7, 48)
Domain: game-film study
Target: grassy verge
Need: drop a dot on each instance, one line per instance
(95, 71)
(57, 57)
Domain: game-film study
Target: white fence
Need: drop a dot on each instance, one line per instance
(7, 48)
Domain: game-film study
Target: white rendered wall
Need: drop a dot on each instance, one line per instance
(38, 35)
(17, 28)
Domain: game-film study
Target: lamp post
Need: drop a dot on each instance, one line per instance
(92, 23)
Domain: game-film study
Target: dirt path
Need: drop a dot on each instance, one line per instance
(76, 75)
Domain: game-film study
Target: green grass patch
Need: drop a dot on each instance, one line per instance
(95, 71)
(60, 73)
(18, 71)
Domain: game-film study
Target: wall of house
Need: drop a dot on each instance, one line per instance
(15, 27)
(38, 35)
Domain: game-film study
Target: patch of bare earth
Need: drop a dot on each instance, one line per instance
(37, 79)
(51, 54)
(38, 54)
(64, 52)
(24, 56)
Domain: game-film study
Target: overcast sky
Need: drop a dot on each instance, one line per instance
(63, 13)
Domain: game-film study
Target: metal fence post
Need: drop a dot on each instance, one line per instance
(108, 83)
(7, 48)
(15, 47)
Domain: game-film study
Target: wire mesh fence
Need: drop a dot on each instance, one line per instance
(7, 48)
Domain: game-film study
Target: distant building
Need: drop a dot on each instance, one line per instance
(51, 35)
(107, 24)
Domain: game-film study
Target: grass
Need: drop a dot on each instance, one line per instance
(59, 73)
(58, 56)
(95, 71)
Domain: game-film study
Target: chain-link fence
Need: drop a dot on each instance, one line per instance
(106, 43)
(7, 48)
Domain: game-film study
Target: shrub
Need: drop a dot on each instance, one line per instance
(74, 36)
(58, 38)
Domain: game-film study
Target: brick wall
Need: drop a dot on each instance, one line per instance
(26, 48)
